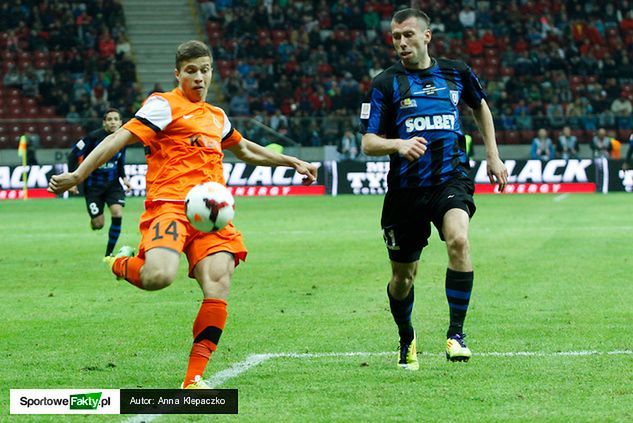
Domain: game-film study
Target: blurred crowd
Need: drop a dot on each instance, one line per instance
(73, 56)
(545, 63)
(303, 67)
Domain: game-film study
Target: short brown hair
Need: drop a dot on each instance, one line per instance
(111, 110)
(191, 49)
(404, 14)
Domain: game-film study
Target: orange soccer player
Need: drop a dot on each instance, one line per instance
(183, 137)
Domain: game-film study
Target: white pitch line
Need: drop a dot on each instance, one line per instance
(256, 359)
(561, 197)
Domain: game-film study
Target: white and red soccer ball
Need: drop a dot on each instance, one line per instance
(209, 206)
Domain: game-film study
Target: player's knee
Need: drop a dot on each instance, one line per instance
(155, 279)
(96, 225)
(403, 278)
(457, 245)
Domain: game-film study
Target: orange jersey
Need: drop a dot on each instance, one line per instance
(183, 143)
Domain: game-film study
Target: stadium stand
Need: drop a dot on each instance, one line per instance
(61, 66)
(544, 62)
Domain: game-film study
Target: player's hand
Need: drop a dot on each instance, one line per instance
(497, 172)
(308, 170)
(128, 186)
(63, 182)
(413, 148)
(73, 190)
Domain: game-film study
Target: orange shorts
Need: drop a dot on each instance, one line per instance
(165, 225)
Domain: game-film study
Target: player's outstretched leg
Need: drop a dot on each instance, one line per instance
(401, 311)
(458, 288)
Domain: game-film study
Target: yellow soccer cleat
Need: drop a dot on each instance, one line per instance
(456, 349)
(124, 251)
(408, 358)
(198, 383)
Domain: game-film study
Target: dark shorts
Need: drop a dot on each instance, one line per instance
(407, 215)
(97, 197)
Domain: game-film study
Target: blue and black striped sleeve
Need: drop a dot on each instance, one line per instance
(376, 115)
(473, 91)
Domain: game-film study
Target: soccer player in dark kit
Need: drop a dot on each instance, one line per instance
(412, 115)
(103, 185)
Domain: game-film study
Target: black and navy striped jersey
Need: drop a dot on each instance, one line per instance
(406, 103)
(109, 172)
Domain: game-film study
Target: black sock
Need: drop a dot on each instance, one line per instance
(401, 311)
(113, 234)
(458, 288)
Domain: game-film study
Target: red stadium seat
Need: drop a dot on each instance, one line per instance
(324, 69)
(490, 53)
(511, 137)
(15, 130)
(63, 140)
(48, 140)
(15, 112)
(476, 62)
(215, 38)
(77, 132)
(41, 55)
(13, 102)
(32, 111)
(48, 111)
(45, 129)
(579, 133)
(213, 26)
(612, 32)
(507, 71)
(527, 135)
(24, 64)
(6, 64)
(41, 64)
(279, 35)
(356, 33)
(31, 128)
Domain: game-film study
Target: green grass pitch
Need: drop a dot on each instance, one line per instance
(552, 279)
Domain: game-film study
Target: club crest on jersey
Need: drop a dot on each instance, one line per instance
(407, 103)
(454, 96)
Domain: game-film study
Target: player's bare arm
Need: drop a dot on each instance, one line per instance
(255, 154)
(411, 149)
(497, 172)
(104, 152)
